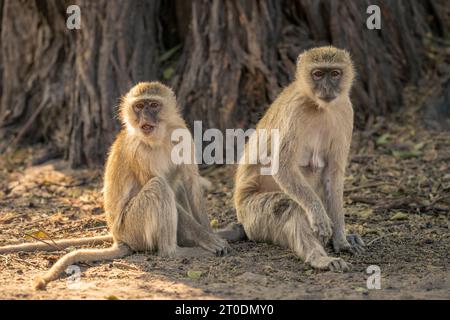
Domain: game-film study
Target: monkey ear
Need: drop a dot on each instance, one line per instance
(172, 93)
(347, 55)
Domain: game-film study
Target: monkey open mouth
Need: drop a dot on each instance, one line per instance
(147, 128)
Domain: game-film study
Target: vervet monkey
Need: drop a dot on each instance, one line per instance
(301, 206)
(151, 203)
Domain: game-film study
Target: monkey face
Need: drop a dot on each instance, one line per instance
(146, 114)
(149, 112)
(326, 83)
(145, 117)
(325, 74)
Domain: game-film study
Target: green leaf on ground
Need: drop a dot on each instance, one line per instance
(365, 213)
(405, 154)
(194, 275)
(399, 216)
(383, 139)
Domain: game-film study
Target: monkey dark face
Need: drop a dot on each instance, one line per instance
(326, 83)
(147, 115)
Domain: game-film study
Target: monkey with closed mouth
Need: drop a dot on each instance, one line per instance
(301, 206)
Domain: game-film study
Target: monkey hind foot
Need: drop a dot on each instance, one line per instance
(233, 232)
(324, 262)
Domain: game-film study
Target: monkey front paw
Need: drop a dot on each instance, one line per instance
(353, 244)
(330, 263)
(215, 245)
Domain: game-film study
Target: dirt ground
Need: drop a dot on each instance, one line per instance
(397, 197)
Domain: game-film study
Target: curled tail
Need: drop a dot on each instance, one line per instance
(118, 250)
(56, 245)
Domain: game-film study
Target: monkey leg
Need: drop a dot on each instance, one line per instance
(275, 218)
(185, 199)
(150, 219)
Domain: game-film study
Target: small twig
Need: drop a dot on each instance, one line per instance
(366, 186)
(50, 237)
(430, 206)
(78, 227)
(363, 200)
(73, 185)
(378, 238)
(97, 228)
(19, 260)
(47, 243)
(394, 204)
(358, 158)
(7, 220)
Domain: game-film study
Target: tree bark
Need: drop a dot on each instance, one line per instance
(227, 60)
(116, 47)
(239, 54)
(35, 66)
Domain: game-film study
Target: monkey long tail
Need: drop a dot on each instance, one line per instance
(56, 245)
(118, 250)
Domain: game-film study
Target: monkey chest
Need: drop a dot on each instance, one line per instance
(150, 165)
(312, 159)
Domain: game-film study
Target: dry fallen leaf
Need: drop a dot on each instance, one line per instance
(37, 234)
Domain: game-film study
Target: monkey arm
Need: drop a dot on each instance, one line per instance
(293, 183)
(333, 181)
(290, 178)
(334, 192)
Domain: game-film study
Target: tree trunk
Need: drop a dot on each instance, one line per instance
(61, 86)
(116, 47)
(36, 66)
(239, 54)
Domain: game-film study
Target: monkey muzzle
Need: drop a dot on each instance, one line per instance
(147, 128)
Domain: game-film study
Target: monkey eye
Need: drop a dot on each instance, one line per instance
(154, 105)
(139, 106)
(317, 74)
(336, 73)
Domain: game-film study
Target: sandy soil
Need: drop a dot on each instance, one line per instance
(397, 198)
